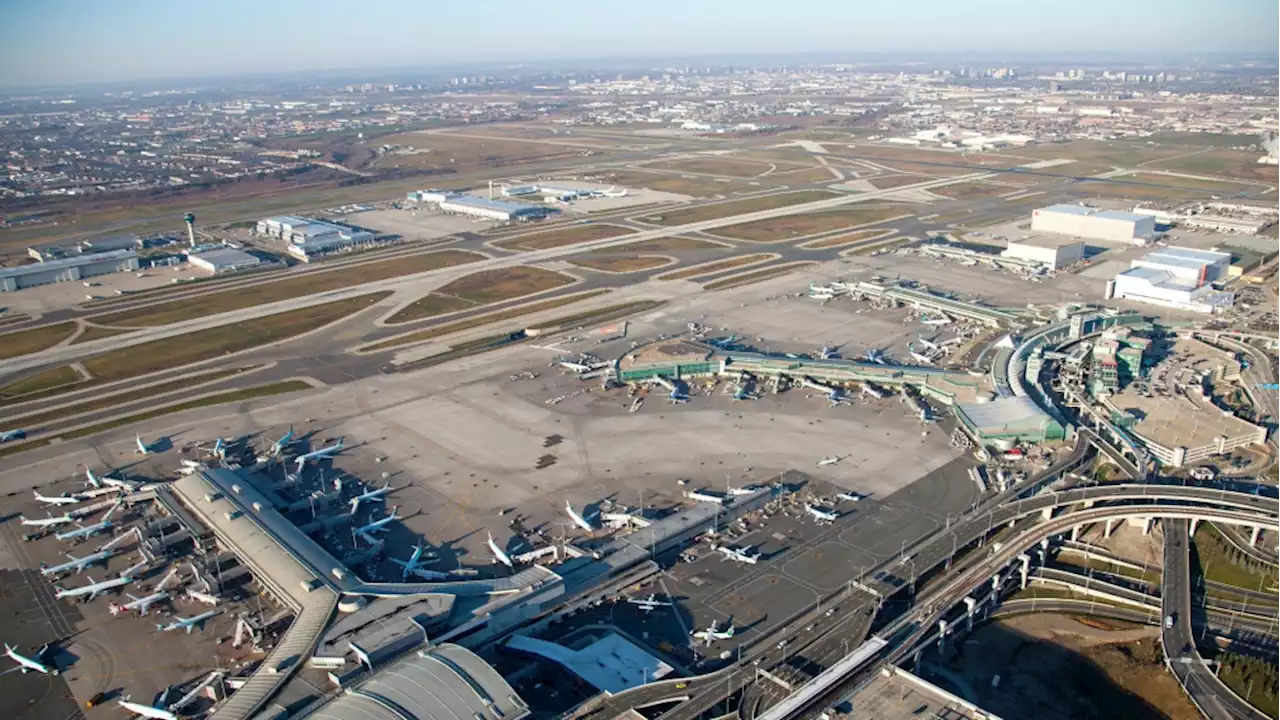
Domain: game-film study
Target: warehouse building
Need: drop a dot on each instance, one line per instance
(309, 238)
(224, 260)
(67, 269)
(492, 209)
(1177, 278)
(1094, 224)
(1050, 251)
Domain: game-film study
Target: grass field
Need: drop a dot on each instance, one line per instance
(852, 238)
(92, 332)
(1137, 192)
(803, 177)
(756, 276)
(717, 266)
(926, 167)
(106, 401)
(1253, 679)
(972, 190)
(308, 284)
(474, 322)
(37, 385)
(571, 235)
(719, 166)
(1217, 188)
(25, 342)
(1206, 140)
(793, 226)
(446, 151)
(665, 244)
(892, 181)
(193, 347)
(622, 263)
(1116, 154)
(738, 207)
(977, 161)
(1220, 561)
(698, 187)
(482, 288)
(1221, 163)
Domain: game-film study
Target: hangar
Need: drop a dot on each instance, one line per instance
(67, 269)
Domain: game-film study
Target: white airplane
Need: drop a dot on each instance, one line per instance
(77, 564)
(936, 322)
(92, 479)
(45, 522)
(926, 417)
(187, 623)
(578, 519)
(711, 634)
(849, 496)
(875, 356)
(219, 449)
(872, 390)
(969, 262)
(743, 394)
(148, 711)
(413, 566)
(837, 397)
(827, 352)
(56, 499)
(820, 514)
(119, 483)
(379, 525)
(141, 604)
(738, 555)
(330, 451)
(86, 531)
(29, 664)
(932, 346)
(922, 359)
(141, 447)
(648, 604)
(369, 495)
(613, 193)
(498, 554)
(829, 460)
(93, 589)
(279, 446)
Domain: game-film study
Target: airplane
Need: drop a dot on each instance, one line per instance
(837, 397)
(45, 522)
(710, 635)
(219, 449)
(148, 711)
(379, 525)
(368, 496)
(869, 389)
(936, 322)
(675, 396)
(93, 589)
(142, 448)
(86, 531)
(141, 604)
(612, 193)
(648, 604)
(738, 555)
(92, 479)
(922, 359)
(820, 514)
(969, 262)
(742, 393)
(829, 460)
(29, 664)
(498, 554)
(279, 446)
(849, 496)
(414, 565)
(578, 519)
(187, 623)
(8, 435)
(827, 352)
(77, 564)
(932, 346)
(56, 499)
(875, 356)
(926, 417)
(330, 451)
(119, 483)
(190, 466)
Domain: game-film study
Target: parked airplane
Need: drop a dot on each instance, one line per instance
(149, 711)
(578, 519)
(369, 495)
(711, 634)
(187, 623)
(330, 451)
(141, 604)
(849, 496)
(648, 604)
(92, 479)
(280, 445)
(936, 321)
(76, 564)
(927, 417)
(872, 390)
(875, 356)
(142, 448)
(8, 435)
(119, 483)
(931, 345)
(379, 525)
(922, 359)
(613, 193)
(821, 514)
(498, 554)
(86, 531)
(738, 555)
(742, 393)
(93, 589)
(45, 522)
(29, 664)
(56, 499)
(829, 460)
(413, 566)
(836, 397)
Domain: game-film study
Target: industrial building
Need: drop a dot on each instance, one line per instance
(491, 209)
(1177, 278)
(67, 269)
(1051, 252)
(1008, 420)
(224, 260)
(309, 238)
(1094, 224)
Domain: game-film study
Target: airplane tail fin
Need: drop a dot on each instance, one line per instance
(159, 627)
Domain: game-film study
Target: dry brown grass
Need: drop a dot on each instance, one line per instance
(25, 342)
(972, 190)
(892, 181)
(92, 332)
(1217, 188)
(571, 235)
(681, 185)
(1232, 164)
(306, 284)
(788, 227)
(976, 161)
(463, 153)
(482, 288)
(717, 266)
(38, 385)
(718, 166)
(622, 263)
(738, 207)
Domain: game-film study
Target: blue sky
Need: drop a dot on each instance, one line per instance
(65, 41)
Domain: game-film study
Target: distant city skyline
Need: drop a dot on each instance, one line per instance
(58, 42)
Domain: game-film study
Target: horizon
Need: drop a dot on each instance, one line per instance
(58, 44)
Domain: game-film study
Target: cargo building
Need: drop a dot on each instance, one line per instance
(1095, 224)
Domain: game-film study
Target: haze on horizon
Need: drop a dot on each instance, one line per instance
(59, 42)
